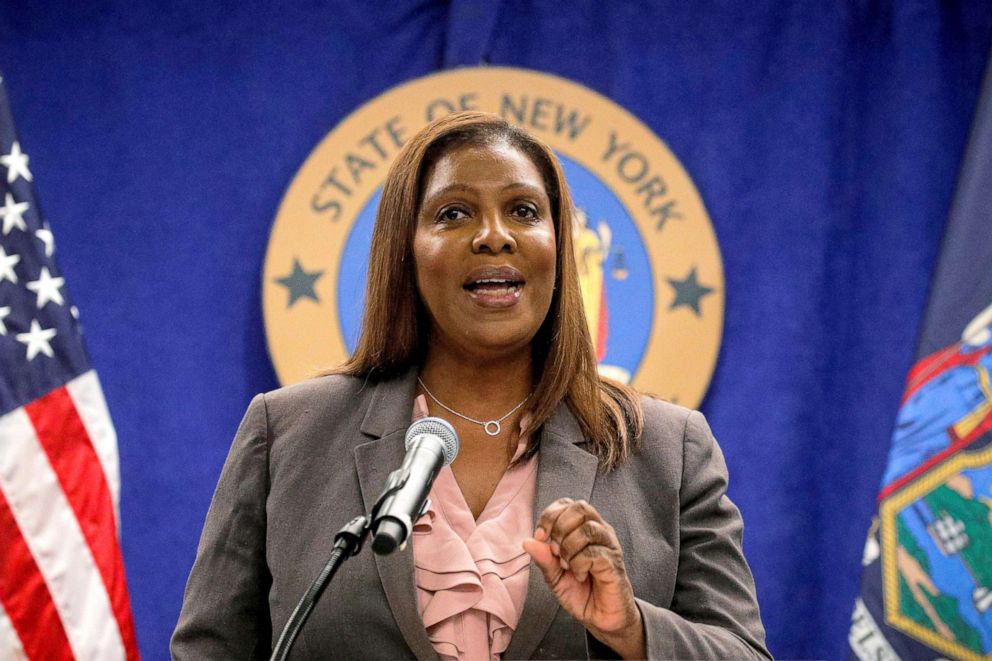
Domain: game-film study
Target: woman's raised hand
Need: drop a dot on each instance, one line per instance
(582, 562)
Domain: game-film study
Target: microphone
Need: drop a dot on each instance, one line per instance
(430, 444)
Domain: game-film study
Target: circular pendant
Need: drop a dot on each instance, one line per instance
(492, 427)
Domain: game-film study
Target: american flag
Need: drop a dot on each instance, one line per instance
(63, 593)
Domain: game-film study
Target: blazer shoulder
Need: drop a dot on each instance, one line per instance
(673, 434)
(664, 420)
(323, 392)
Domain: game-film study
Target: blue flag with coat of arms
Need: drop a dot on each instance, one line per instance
(926, 588)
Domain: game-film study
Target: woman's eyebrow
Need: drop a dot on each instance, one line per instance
(521, 184)
(457, 187)
(449, 188)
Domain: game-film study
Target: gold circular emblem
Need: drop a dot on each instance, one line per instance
(650, 267)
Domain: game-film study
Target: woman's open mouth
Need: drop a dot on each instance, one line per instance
(494, 286)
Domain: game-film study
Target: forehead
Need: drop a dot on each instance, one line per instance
(481, 166)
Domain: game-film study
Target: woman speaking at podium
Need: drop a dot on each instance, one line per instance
(580, 518)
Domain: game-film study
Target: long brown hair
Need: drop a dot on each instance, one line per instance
(396, 324)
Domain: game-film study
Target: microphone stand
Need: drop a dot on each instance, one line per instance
(347, 543)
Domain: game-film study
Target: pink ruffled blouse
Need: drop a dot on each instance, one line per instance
(472, 574)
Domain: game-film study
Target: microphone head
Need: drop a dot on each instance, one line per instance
(438, 428)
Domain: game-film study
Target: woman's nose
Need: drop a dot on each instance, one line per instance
(493, 236)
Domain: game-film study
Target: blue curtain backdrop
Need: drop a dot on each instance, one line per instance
(825, 140)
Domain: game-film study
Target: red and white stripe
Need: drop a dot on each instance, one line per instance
(10, 644)
(63, 592)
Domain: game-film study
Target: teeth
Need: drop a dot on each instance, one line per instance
(495, 287)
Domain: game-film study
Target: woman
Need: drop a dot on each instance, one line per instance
(473, 313)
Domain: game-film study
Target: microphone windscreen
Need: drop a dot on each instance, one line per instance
(438, 428)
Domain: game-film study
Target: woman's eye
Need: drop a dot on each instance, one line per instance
(451, 213)
(525, 211)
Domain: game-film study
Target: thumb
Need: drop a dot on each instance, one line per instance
(545, 560)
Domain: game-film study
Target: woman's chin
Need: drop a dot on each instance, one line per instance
(491, 341)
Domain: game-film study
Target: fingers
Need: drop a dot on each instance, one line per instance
(578, 535)
(582, 562)
(591, 547)
(562, 516)
(548, 517)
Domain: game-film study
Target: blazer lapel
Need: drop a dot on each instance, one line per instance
(565, 470)
(388, 417)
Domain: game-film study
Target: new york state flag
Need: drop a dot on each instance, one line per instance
(926, 589)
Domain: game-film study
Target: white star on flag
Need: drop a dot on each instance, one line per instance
(12, 214)
(7, 264)
(63, 592)
(17, 163)
(37, 340)
(45, 236)
(47, 288)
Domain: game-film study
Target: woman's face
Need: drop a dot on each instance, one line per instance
(484, 250)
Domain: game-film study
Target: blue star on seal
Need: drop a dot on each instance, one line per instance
(300, 283)
(688, 292)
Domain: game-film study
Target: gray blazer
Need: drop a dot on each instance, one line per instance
(309, 457)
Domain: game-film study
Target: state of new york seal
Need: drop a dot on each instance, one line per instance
(649, 263)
